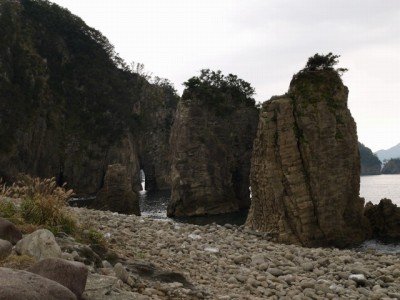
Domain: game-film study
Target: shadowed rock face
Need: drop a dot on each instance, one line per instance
(116, 194)
(384, 219)
(68, 109)
(210, 159)
(305, 169)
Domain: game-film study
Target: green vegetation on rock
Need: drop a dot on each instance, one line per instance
(392, 166)
(218, 91)
(370, 163)
(69, 105)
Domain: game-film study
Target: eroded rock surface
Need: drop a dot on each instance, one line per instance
(211, 153)
(305, 173)
(117, 194)
(384, 219)
(69, 109)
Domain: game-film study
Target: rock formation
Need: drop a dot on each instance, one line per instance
(392, 166)
(69, 105)
(116, 194)
(370, 163)
(384, 219)
(305, 172)
(211, 144)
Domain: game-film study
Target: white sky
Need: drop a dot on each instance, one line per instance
(265, 42)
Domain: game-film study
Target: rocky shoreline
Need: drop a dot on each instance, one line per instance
(228, 262)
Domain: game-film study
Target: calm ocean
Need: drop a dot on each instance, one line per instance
(376, 187)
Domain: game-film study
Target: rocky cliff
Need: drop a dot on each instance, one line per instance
(385, 220)
(211, 145)
(305, 169)
(69, 106)
(370, 163)
(392, 166)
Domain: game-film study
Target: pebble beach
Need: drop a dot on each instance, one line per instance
(232, 262)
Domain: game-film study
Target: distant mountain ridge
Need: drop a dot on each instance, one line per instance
(393, 152)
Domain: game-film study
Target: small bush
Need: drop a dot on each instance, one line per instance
(8, 209)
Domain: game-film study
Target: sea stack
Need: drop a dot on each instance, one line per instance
(305, 172)
(211, 145)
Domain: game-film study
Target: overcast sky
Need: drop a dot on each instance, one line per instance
(265, 42)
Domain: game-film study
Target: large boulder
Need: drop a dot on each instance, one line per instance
(9, 232)
(305, 173)
(117, 194)
(22, 285)
(71, 274)
(39, 244)
(384, 219)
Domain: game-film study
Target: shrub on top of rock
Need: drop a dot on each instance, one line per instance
(218, 90)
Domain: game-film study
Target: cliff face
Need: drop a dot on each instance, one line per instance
(210, 158)
(384, 219)
(305, 165)
(69, 107)
(157, 113)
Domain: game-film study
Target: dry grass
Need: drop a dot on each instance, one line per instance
(42, 202)
(20, 262)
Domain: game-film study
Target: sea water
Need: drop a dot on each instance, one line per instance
(376, 187)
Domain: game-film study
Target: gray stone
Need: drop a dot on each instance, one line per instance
(5, 248)
(70, 274)
(121, 272)
(23, 285)
(358, 278)
(308, 266)
(40, 244)
(275, 271)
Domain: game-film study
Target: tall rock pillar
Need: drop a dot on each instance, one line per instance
(305, 173)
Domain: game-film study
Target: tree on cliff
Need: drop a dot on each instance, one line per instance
(323, 62)
(214, 88)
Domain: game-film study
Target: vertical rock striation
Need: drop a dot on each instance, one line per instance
(69, 106)
(116, 194)
(211, 153)
(305, 172)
